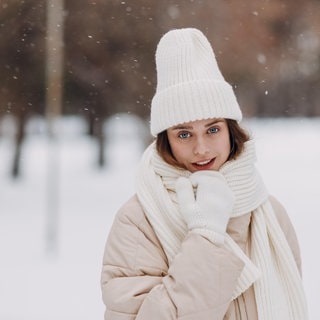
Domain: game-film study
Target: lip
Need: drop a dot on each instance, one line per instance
(207, 165)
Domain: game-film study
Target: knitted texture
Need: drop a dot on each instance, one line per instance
(199, 208)
(190, 85)
(271, 268)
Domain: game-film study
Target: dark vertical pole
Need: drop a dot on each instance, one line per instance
(54, 91)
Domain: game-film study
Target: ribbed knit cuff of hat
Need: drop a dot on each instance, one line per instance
(193, 100)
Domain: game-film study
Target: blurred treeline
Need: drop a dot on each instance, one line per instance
(269, 50)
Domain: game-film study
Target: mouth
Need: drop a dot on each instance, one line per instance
(203, 165)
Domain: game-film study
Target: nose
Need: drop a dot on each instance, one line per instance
(200, 147)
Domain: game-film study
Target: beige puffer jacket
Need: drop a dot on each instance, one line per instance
(137, 283)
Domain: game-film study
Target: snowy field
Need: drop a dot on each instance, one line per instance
(64, 284)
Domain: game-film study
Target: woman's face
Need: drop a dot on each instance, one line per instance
(200, 145)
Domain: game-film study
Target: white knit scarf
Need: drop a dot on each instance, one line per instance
(271, 268)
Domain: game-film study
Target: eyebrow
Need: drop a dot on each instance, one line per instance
(185, 127)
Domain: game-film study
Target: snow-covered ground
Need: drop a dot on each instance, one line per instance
(64, 284)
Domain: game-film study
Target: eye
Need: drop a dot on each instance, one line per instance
(213, 130)
(184, 135)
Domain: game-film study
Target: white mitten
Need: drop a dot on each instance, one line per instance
(207, 210)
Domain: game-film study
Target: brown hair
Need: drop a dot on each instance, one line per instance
(237, 135)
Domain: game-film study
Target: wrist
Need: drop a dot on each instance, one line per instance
(213, 236)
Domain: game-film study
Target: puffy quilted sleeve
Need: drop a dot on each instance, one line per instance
(137, 282)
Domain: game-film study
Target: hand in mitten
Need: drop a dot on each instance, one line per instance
(208, 209)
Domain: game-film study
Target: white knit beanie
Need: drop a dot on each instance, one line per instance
(190, 85)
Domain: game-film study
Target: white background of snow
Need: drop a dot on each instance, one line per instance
(35, 285)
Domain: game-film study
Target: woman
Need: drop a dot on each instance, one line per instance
(202, 238)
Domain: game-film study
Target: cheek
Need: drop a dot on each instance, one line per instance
(177, 149)
(181, 152)
(178, 152)
(222, 146)
(226, 147)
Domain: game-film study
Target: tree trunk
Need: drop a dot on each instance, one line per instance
(16, 165)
